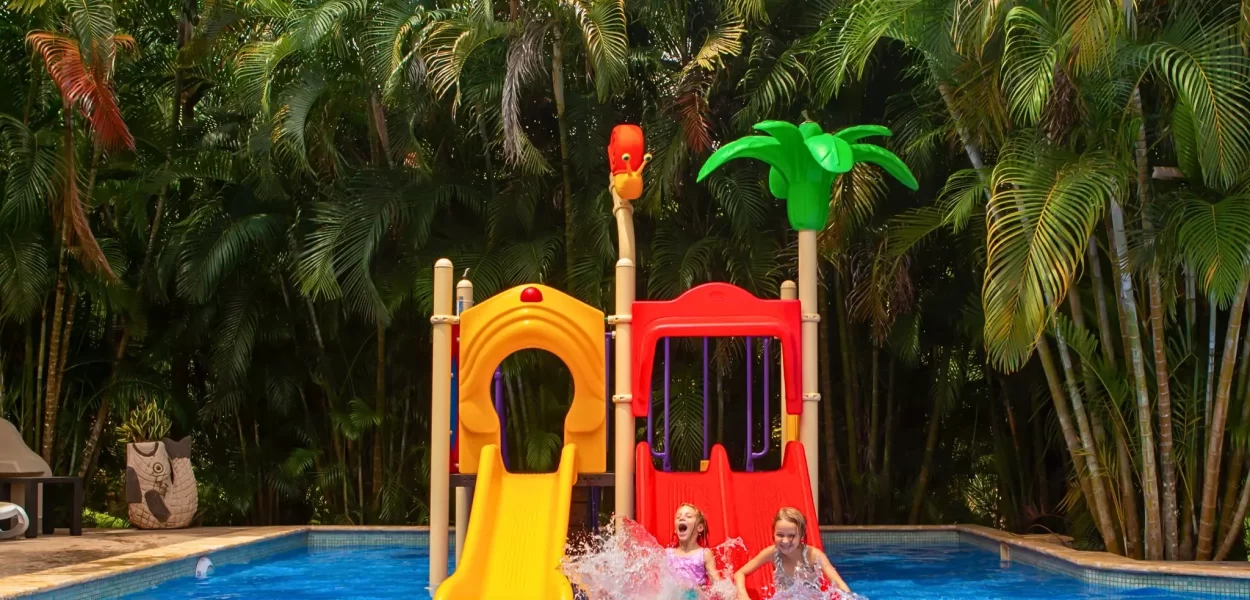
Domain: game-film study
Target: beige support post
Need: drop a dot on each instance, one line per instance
(464, 495)
(440, 419)
(790, 430)
(622, 397)
(809, 432)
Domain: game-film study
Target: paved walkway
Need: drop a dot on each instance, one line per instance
(21, 556)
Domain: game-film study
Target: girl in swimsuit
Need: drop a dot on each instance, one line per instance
(796, 566)
(691, 563)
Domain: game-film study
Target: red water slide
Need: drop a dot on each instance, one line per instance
(735, 504)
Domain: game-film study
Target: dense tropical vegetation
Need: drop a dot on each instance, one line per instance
(221, 216)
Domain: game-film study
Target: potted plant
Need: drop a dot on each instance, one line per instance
(160, 484)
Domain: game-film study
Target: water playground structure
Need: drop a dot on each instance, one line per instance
(511, 528)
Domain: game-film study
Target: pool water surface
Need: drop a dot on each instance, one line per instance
(960, 571)
(878, 572)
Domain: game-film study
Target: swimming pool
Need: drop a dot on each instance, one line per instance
(931, 571)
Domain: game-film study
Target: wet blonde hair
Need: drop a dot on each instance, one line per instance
(700, 521)
(792, 515)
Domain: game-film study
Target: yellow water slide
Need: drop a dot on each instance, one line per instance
(517, 533)
(518, 523)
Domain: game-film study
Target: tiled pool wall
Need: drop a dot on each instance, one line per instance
(1230, 587)
(120, 584)
(128, 582)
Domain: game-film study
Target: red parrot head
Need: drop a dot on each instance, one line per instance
(626, 158)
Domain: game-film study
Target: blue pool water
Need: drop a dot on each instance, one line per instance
(941, 572)
(958, 571)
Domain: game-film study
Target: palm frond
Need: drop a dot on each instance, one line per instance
(1204, 64)
(1214, 238)
(1044, 208)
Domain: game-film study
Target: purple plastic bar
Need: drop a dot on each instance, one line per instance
(706, 410)
(752, 455)
(666, 455)
(501, 410)
(750, 389)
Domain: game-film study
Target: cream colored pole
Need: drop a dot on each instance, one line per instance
(440, 419)
(464, 495)
(809, 433)
(623, 397)
(790, 428)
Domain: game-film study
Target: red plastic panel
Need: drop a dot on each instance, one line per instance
(715, 310)
(735, 504)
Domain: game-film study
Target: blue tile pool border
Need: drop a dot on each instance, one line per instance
(1094, 568)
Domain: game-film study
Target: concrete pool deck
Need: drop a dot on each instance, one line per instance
(57, 562)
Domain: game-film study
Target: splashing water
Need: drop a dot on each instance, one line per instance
(629, 564)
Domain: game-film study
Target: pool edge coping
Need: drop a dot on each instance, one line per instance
(1081, 559)
(67, 576)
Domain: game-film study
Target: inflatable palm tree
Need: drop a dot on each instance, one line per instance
(804, 163)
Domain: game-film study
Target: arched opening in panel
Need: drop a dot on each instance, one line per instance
(532, 391)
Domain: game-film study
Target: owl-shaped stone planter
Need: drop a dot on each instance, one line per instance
(160, 485)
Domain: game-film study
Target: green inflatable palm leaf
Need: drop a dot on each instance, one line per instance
(887, 160)
(805, 161)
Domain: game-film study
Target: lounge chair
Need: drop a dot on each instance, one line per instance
(16, 460)
(13, 511)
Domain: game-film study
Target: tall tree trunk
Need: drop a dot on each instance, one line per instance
(379, 432)
(1100, 302)
(930, 445)
(1230, 537)
(1127, 301)
(52, 397)
(826, 413)
(557, 89)
(886, 475)
(874, 420)
(1236, 463)
(1128, 495)
(848, 387)
(1102, 502)
(1215, 435)
(1070, 436)
(1167, 463)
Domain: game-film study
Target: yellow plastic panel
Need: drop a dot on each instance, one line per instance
(517, 534)
(559, 324)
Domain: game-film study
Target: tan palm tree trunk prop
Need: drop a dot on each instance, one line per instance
(805, 161)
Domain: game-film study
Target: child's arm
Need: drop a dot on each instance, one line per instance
(740, 577)
(709, 563)
(830, 573)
